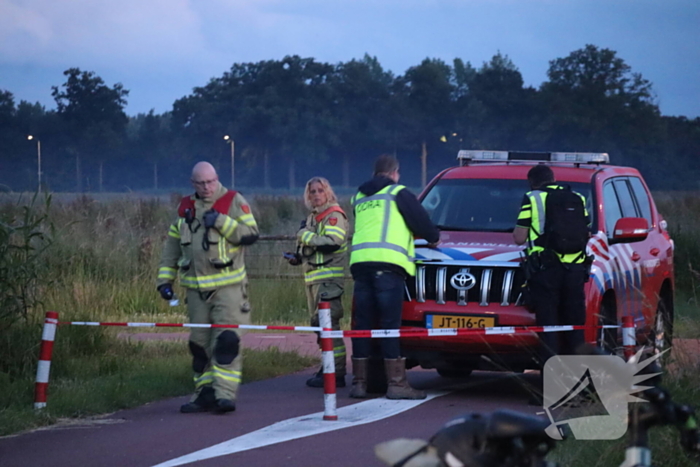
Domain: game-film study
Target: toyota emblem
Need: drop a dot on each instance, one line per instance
(463, 281)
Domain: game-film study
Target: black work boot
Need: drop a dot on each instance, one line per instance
(205, 402)
(317, 380)
(359, 380)
(225, 405)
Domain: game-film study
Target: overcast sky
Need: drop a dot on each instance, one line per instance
(160, 49)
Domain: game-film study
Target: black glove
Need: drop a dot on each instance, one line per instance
(210, 218)
(166, 291)
(302, 225)
(295, 260)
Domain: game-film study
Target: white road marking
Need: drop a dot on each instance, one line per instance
(306, 425)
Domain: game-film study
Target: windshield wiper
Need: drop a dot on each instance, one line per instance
(453, 228)
(472, 229)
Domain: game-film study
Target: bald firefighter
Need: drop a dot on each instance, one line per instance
(206, 245)
(322, 249)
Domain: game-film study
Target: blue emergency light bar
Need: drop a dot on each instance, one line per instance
(466, 156)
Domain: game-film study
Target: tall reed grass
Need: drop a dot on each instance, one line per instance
(101, 267)
(681, 210)
(683, 383)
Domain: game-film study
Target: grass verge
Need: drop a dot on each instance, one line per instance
(127, 375)
(664, 441)
(687, 316)
(682, 381)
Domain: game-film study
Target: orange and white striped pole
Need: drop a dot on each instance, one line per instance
(42, 371)
(629, 338)
(329, 399)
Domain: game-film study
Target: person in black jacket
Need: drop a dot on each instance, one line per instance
(387, 216)
(556, 282)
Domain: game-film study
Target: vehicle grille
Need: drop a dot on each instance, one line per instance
(492, 284)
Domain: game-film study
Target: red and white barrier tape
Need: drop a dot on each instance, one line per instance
(194, 325)
(394, 333)
(374, 333)
(326, 334)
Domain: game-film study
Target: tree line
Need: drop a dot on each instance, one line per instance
(287, 120)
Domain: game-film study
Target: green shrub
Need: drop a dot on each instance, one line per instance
(24, 240)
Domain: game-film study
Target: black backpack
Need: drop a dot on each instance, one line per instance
(566, 224)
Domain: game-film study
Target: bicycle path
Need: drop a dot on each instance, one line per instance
(157, 434)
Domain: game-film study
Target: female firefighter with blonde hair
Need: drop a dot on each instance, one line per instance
(322, 250)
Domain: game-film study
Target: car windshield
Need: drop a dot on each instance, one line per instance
(482, 205)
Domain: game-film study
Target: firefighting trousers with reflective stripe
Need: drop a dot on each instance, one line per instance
(216, 354)
(330, 292)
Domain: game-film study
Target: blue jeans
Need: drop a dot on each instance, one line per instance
(378, 297)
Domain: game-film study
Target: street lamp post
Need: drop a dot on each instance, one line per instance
(38, 162)
(229, 140)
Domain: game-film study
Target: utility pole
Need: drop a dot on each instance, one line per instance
(229, 140)
(38, 162)
(38, 165)
(424, 164)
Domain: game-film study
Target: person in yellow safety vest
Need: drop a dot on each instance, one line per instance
(322, 249)
(387, 216)
(555, 280)
(206, 245)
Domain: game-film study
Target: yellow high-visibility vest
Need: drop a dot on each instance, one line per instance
(381, 233)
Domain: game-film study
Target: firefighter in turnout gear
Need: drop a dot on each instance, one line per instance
(322, 249)
(206, 245)
(556, 266)
(387, 215)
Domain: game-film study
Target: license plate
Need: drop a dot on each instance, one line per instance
(459, 321)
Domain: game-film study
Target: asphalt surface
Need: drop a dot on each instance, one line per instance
(157, 433)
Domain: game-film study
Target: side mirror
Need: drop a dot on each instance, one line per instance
(629, 230)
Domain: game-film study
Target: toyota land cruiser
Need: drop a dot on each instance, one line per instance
(473, 279)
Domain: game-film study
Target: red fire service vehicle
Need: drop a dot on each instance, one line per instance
(473, 279)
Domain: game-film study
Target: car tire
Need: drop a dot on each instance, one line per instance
(661, 336)
(454, 373)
